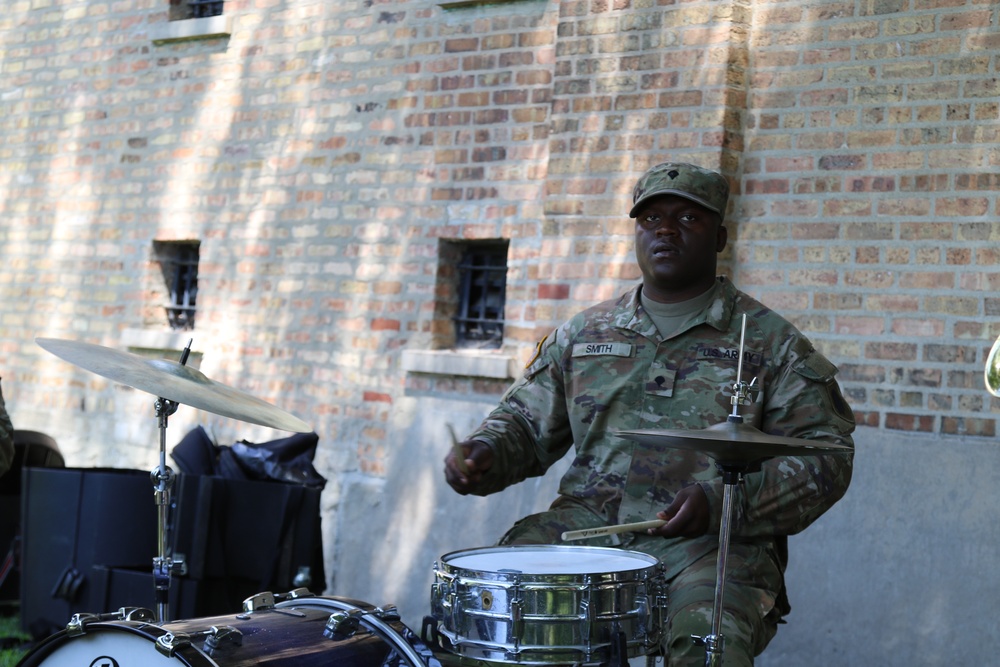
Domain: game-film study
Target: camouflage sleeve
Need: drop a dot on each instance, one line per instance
(791, 492)
(6, 438)
(529, 430)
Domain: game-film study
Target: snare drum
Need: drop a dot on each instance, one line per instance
(301, 632)
(545, 604)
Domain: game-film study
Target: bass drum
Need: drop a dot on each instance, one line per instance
(303, 631)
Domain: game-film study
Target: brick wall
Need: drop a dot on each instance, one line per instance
(323, 152)
(870, 199)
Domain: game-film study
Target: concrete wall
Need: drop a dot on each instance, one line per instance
(901, 573)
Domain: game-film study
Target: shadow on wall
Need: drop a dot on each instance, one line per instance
(389, 534)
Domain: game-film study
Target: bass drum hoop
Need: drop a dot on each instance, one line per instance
(147, 631)
(369, 618)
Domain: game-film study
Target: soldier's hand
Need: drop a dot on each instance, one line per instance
(466, 474)
(687, 516)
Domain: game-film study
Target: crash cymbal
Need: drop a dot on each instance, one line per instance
(993, 369)
(173, 381)
(732, 442)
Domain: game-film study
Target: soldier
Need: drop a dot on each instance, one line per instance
(665, 355)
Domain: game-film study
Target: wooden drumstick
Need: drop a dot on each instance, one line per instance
(457, 448)
(611, 530)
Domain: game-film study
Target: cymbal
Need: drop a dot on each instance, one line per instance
(733, 443)
(992, 374)
(171, 380)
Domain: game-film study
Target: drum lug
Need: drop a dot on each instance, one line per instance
(219, 634)
(296, 593)
(78, 623)
(517, 620)
(659, 614)
(140, 614)
(169, 643)
(443, 602)
(387, 613)
(259, 602)
(342, 624)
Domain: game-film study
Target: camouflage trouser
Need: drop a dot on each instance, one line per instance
(752, 579)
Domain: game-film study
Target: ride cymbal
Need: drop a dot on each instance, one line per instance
(173, 381)
(733, 442)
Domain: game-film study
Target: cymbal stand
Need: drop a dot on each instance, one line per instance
(163, 480)
(732, 477)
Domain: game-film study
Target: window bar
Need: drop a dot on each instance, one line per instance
(204, 8)
(483, 279)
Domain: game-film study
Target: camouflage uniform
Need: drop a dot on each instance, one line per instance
(6, 439)
(609, 369)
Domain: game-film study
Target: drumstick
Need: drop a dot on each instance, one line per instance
(610, 530)
(457, 448)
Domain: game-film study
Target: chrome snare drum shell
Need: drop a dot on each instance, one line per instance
(548, 604)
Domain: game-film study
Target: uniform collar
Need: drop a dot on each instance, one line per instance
(632, 316)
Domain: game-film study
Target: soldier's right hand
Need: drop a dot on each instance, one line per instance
(465, 475)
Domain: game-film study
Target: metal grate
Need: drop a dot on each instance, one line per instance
(482, 290)
(199, 9)
(179, 265)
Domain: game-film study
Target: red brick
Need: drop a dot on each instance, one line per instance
(903, 422)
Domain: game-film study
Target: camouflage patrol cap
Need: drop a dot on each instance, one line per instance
(702, 186)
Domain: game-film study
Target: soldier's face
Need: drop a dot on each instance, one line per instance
(676, 245)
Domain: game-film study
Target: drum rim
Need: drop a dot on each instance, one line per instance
(142, 629)
(369, 618)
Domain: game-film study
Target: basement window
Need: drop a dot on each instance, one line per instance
(482, 285)
(179, 267)
(192, 20)
(194, 9)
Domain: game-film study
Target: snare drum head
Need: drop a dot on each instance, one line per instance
(549, 559)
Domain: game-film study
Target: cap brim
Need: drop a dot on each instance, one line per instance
(680, 193)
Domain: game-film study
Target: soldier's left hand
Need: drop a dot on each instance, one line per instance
(687, 516)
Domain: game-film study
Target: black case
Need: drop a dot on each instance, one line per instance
(90, 536)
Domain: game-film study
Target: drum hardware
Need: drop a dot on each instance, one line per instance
(169, 643)
(268, 600)
(219, 634)
(78, 623)
(258, 602)
(174, 384)
(619, 649)
(343, 624)
(737, 448)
